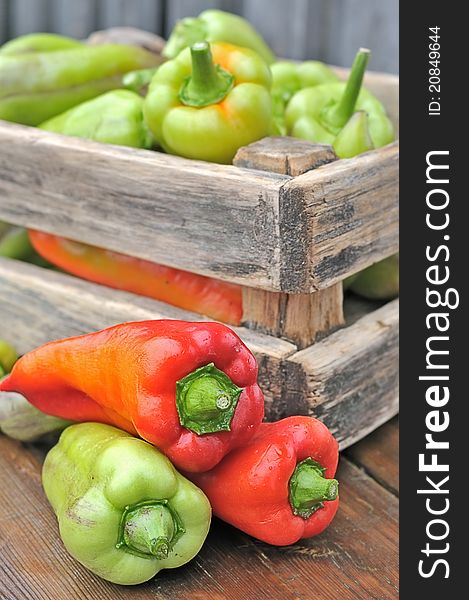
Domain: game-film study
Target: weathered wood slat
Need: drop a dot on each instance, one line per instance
(356, 557)
(300, 318)
(349, 212)
(356, 368)
(212, 219)
(284, 155)
(378, 454)
(263, 230)
(349, 379)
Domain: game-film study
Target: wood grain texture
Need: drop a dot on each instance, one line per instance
(284, 155)
(349, 379)
(299, 318)
(211, 219)
(39, 305)
(349, 214)
(355, 368)
(378, 454)
(263, 230)
(356, 557)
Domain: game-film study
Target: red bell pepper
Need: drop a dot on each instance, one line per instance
(188, 388)
(278, 487)
(218, 300)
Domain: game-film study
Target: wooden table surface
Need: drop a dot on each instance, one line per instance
(357, 556)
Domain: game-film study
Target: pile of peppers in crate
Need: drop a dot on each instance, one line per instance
(216, 87)
(168, 428)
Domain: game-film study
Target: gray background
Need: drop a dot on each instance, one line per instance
(329, 30)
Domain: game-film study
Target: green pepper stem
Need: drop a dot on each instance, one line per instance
(206, 400)
(148, 530)
(209, 83)
(309, 488)
(338, 114)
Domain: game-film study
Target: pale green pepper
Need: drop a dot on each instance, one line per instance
(205, 108)
(288, 78)
(320, 113)
(113, 118)
(35, 86)
(124, 512)
(38, 42)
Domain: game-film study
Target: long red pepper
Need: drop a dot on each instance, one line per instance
(217, 299)
(278, 487)
(188, 388)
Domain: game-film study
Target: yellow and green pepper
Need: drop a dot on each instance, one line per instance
(207, 108)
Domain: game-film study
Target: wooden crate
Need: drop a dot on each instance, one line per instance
(287, 221)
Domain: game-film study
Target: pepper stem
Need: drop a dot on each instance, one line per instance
(149, 530)
(209, 83)
(336, 115)
(309, 488)
(206, 400)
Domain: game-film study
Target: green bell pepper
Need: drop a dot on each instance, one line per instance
(289, 78)
(36, 86)
(113, 118)
(38, 42)
(379, 281)
(320, 113)
(124, 512)
(207, 109)
(216, 26)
